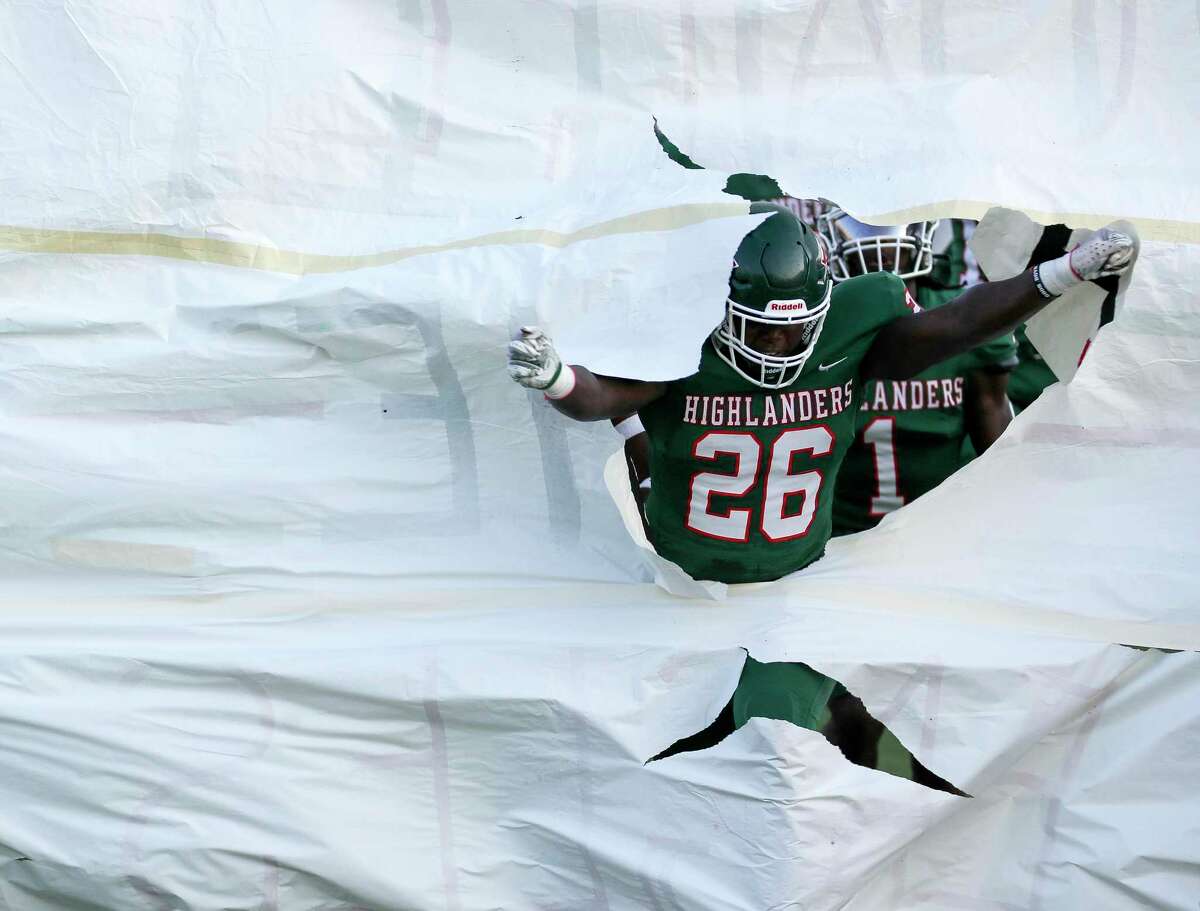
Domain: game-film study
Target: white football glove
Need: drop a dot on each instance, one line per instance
(533, 362)
(1105, 253)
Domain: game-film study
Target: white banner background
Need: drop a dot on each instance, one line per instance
(306, 605)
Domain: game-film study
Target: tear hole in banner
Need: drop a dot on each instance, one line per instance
(794, 692)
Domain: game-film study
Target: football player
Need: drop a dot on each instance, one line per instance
(753, 188)
(911, 434)
(745, 451)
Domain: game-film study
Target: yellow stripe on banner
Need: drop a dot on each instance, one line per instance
(295, 262)
(1164, 230)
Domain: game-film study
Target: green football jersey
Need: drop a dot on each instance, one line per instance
(743, 475)
(1031, 375)
(910, 434)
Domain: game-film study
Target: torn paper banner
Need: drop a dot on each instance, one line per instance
(306, 605)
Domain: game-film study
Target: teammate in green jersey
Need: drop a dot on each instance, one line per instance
(744, 452)
(911, 434)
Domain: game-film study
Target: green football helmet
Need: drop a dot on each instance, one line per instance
(780, 277)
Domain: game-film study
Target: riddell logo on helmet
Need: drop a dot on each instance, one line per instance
(786, 306)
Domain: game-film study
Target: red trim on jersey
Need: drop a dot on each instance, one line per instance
(910, 302)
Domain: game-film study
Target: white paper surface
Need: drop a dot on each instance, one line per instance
(306, 605)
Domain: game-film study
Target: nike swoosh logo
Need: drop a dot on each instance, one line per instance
(831, 366)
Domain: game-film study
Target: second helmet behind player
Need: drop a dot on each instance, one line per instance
(856, 248)
(780, 281)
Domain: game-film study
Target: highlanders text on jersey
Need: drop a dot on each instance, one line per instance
(743, 476)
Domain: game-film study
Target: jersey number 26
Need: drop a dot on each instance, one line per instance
(779, 486)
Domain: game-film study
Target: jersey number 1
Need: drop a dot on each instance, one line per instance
(880, 435)
(780, 484)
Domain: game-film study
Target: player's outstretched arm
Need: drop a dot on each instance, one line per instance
(575, 391)
(909, 344)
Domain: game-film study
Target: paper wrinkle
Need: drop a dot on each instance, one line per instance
(99, 56)
(306, 604)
